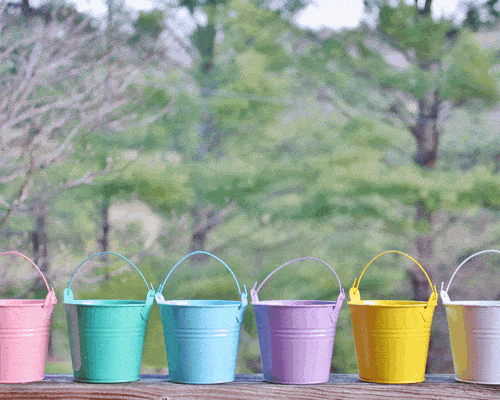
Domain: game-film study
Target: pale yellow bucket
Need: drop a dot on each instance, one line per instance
(391, 336)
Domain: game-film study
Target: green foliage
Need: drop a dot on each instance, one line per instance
(149, 23)
(300, 147)
(412, 32)
(468, 73)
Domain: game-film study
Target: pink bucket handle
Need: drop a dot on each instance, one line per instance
(50, 299)
(254, 292)
(444, 293)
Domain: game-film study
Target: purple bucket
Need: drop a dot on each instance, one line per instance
(296, 336)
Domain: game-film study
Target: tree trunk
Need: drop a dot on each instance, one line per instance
(427, 139)
(103, 241)
(41, 254)
(204, 221)
(40, 241)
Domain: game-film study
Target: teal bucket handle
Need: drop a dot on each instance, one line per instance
(243, 295)
(444, 293)
(68, 294)
(50, 299)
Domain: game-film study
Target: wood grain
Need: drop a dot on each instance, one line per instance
(246, 387)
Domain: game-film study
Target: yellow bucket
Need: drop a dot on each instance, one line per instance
(391, 336)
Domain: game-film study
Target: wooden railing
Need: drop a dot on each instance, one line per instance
(247, 387)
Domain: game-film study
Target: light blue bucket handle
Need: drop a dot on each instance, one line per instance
(444, 293)
(243, 295)
(68, 294)
(254, 293)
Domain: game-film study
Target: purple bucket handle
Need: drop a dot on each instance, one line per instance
(254, 292)
(50, 299)
(444, 293)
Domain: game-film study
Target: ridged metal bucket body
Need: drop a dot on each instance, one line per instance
(391, 340)
(106, 339)
(296, 340)
(296, 337)
(24, 335)
(474, 335)
(106, 336)
(391, 337)
(201, 336)
(475, 340)
(201, 339)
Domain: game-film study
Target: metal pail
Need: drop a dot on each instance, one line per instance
(201, 336)
(106, 336)
(296, 336)
(474, 335)
(24, 335)
(391, 336)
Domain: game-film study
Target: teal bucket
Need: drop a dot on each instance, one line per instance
(201, 336)
(106, 336)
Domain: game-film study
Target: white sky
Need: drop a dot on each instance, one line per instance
(334, 14)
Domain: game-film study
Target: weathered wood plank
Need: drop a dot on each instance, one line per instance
(62, 387)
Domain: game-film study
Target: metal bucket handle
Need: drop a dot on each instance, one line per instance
(68, 294)
(427, 313)
(444, 293)
(254, 293)
(50, 299)
(243, 295)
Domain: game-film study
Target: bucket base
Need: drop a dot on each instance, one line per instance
(105, 381)
(199, 383)
(22, 381)
(476, 382)
(295, 383)
(391, 382)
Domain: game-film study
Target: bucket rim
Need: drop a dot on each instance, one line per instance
(202, 303)
(296, 303)
(391, 303)
(22, 303)
(106, 303)
(474, 303)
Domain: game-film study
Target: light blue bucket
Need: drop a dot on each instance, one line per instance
(201, 336)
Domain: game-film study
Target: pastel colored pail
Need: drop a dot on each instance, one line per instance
(296, 336)
(391, 336)
(24, 334)
(201, 336)
(106, 336)
(474, 335)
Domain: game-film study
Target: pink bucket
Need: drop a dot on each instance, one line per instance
(296, 336)
(24, 334)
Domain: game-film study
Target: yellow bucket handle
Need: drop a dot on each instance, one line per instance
(355, 296)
